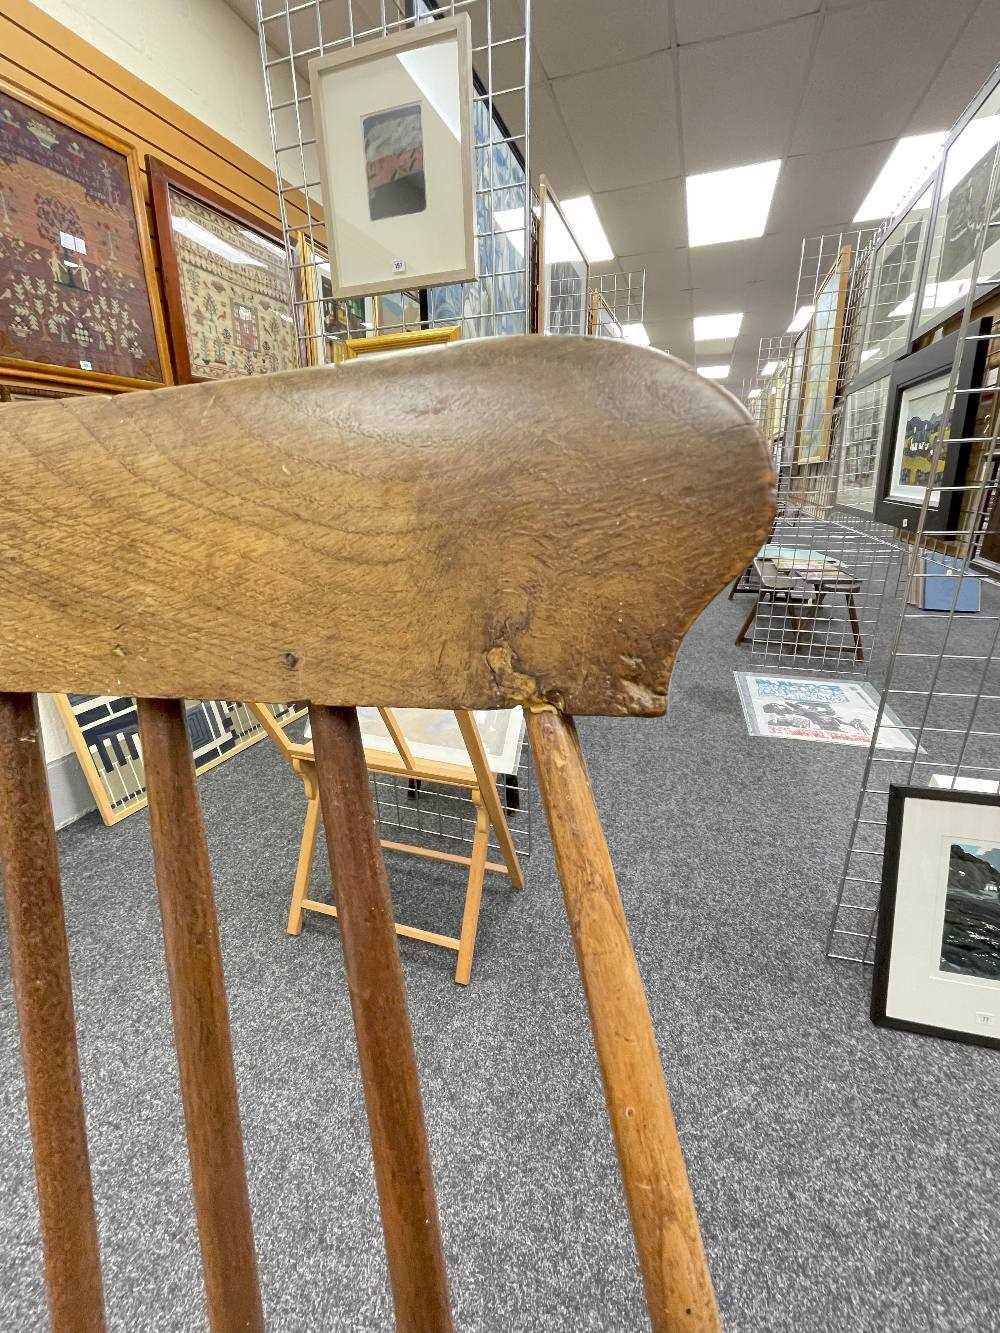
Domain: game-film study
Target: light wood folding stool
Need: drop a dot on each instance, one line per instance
(331, 535)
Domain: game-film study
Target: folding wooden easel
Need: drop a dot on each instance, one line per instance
(476, 778)
(623, 492)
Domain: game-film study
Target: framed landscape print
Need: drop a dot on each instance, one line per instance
(227, 283)
(104, 733)
(937, 944)
(393, 124)
(822, 363)
(915, 421)
(78, 299)
(563, 271)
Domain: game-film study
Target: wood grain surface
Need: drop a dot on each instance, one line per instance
(43, 992)
(201, 1021)
(496, 522)
(385, 1045)
(678, 1286)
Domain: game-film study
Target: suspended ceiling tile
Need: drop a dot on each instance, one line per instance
(644, 217)
(698, 20)
(552, 150)
(622, 123)
(667, 278)
(723, 268)
(871, 64)
(821, 192)
(739, 95)
(966, 66)
(572, 37)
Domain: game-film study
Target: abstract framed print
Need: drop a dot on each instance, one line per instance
(393, 124)
(937, 943)
(563, 271)
(227, 282)
(78, 296)
(915, 421)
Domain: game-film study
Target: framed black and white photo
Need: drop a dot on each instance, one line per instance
(914, 422)
(937, 948)
(393, 124)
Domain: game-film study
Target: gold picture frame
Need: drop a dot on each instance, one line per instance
(399, 342)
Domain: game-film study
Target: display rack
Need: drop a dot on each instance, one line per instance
(942, 680)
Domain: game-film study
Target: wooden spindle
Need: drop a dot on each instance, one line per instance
(43, 992)
(385, 1045)
(201, 1020)
(671, 1255)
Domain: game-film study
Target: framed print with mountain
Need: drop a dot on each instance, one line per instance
(78, 300)
(937, 948)
(393, 124)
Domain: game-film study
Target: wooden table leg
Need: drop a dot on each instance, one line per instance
(678, 1285)
(745, 627)
(473, 894)
(385, 1045)
(43, 991)
(201, 1020)
(852, 612)
(303, 868)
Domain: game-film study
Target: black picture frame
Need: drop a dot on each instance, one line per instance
(885, 923)
(909, 372)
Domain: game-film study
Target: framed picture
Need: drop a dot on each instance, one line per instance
(433, 733)
(78, 297)
(822, 363)
(411, 340)
(104, 733)
(226, 279)
(393, 126)
(793, 409)
(26, 391)
(915, 420)
(326, 321)
(563, 271)
(937, 943)
(862, 419)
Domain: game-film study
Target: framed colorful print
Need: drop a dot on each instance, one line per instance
(104, 733)
(937, 942)
(563, 271)
(822, 363)
(409, 341)
(227, 284)
(915, 420)
(393, 125)
(326, 322)
(78, 297)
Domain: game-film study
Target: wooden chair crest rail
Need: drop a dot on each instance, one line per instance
(332, 535)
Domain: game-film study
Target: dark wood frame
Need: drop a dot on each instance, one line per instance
(898, 796)
(163, 178)
(76, 378)
(909, 371)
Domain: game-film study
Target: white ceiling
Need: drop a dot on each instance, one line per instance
(629, 96)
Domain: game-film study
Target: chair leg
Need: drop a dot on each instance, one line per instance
(473, 894)
(488, 792)
(385, 1045)
(745, 627)
(678, 1286)
(201, 1020)
(852, 612)
(303, 869)
(43, 991)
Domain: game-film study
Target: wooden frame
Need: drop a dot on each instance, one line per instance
(376, 49)
(886, 922)
(476, 778)
(400, 342)
(71, 375)
(113, 812)
(546, 194)
(932, 362)
(306, 284)
(826, 387)
(162, 179)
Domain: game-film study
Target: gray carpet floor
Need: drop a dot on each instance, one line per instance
(846, 1176)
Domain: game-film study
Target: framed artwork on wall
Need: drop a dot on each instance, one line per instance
(326, 321)
(915, 420)
(861, 423)
(104, 733)
(793, 409)
(892, 277)
(78, 297)
(822, 363)
(563, 271)
(393, 124)
(226, 280)
(937, 944)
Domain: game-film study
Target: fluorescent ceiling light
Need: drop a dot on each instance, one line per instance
(909, 164)
(802, 317)
(769, 369)
(586, 227)
(969, 149)
(713, 372)
(636, 333)
(708, 328)
(209, 241)
(730, 205)
(938, 294)
(869, 352)
(754, 393)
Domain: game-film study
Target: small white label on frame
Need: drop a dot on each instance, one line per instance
(399, 266)
(86, 365)
(984, 1019)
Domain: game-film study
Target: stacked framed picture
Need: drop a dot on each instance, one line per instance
(78, 297)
